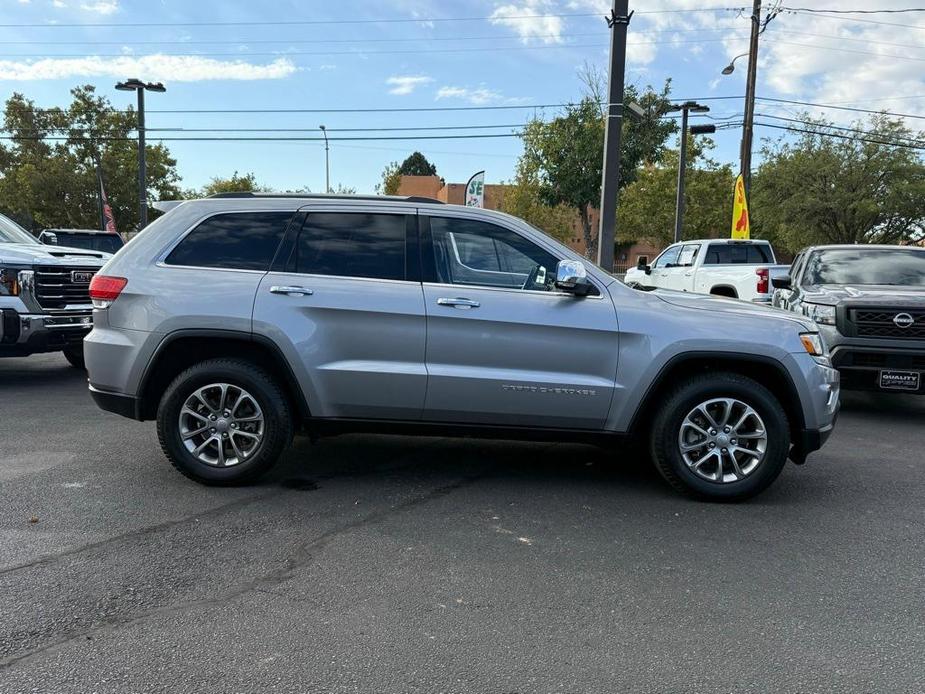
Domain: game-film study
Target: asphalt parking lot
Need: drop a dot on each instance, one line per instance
(378, 564)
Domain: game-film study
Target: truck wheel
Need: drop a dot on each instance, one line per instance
(223, 422)
(75, 356)
(720, 436)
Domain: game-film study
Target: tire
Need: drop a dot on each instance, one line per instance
(75, 356)
(746, 478)
(264, 399)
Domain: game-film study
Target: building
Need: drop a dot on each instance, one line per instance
(455, 194)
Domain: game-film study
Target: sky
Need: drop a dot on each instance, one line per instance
(428, 54)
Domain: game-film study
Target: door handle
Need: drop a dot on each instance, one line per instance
(291, 291)
(688, 274)
(458, 303)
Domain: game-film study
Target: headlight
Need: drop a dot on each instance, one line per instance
(820, 313)
(9, 284)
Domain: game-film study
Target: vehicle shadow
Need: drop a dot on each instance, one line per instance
(884, 406)
(38, 370)
(431, 460)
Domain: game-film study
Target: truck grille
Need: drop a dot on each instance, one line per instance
(56, 286)
(881, 323)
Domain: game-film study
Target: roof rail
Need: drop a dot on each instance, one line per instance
(323, 196)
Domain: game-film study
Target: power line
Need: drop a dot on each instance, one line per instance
(364, 40)
(849, 50)
(304, 22)
(841, 137)
(33, 138)
(829, 126)
(842, 18)
(838, 108)
(360, 52)
(897, 11)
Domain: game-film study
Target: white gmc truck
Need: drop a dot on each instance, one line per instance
(740, 269)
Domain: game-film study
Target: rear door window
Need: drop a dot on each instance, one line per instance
(234, 240)
(352, 244)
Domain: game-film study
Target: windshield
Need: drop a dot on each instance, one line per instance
(11, 232)
(108, 243)
(867, 266)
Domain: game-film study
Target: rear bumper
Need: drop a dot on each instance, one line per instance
(117, 403)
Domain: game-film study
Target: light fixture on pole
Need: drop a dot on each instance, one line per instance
(730, 68)
(139, 87)
(327, 161)
(685, 108)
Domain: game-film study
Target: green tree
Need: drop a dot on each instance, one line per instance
(235, 184)
(417, 165)
(836, 185)
(391, 179)
(647, 205)
(48, 172)
(567, 152)
(523, 198)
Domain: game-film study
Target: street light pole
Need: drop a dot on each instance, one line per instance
(136, 85)
(685, 108)
(610, 184)
(327, 162)
(682, 167)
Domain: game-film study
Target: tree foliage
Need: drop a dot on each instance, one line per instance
(417, 165)
(235, 184)
(47, 182)
(833, 185)
(567, 152)
(647, 205)
(391, 179)
(523, 198)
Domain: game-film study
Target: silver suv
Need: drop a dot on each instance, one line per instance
(237, 320)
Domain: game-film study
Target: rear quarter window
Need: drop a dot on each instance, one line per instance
(235, 240)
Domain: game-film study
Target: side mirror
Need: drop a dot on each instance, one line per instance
(49, 238)
(647, 269)
(782, 282)
(571, 276)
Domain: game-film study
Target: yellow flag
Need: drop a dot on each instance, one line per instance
(740, 226)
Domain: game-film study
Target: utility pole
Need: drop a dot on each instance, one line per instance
(610, 184)
(748, 123)
(685, 108)
(327, 161)
(139, 87)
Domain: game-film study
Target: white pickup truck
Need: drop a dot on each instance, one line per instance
(740, 269)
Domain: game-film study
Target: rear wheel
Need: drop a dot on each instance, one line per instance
(223, 422)
(75, 356)
(720, 436)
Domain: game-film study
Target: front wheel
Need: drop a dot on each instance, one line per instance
(720, 436)
(224, 422)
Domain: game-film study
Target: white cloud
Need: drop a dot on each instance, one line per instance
(523, 20)
(478, 96)
(168, 68)
(59, 3)
(101, 6)
(406, 84)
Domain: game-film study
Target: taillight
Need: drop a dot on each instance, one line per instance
(104, 290)
(763, 280)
